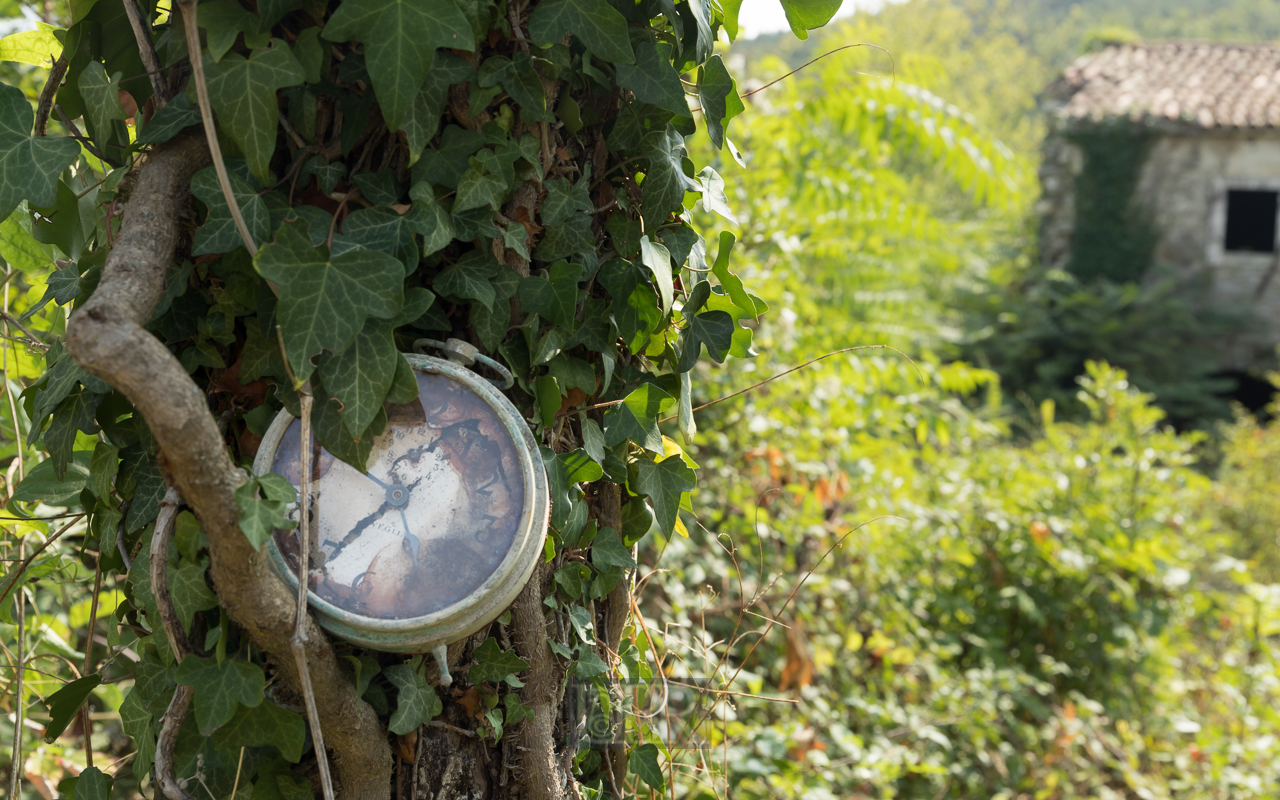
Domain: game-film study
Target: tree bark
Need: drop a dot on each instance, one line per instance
(106, 337)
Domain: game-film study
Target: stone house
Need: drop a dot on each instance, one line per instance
(1205, 181)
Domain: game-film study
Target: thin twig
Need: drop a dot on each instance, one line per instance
(84, 140)
(206, 115)
(45, 105)
(15, 761)
(26, 563)
(147, 49)
(893, 68)
(10, 319)
(170, 723)
(13, 407)
(86, 722)
(435, 723)
(299, 641)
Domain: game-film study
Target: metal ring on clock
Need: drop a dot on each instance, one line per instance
(460, 352)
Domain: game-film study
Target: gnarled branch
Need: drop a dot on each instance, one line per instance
(106, 337)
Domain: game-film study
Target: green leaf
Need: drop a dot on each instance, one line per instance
(664, 181)
(563, 198)
(516, 711)
(468, 278)
(715, 329)
(332, 432)
(608, 551)
(310, 53)
(178, 114)
(261, 725)
(260, 518)
(561, 241)
(243, 92)
(423, 118)
(22, 251)
(718, 94)
(103, 468)
(29, 167)
(39, 48)
(643, 763)
(658, 260)
(805, 15)
(434, 223)
(136, 720)
(379, 188)
(570, 579)
(325, 302)
(91, 785)
(588, 664)
(220, 688)
(404, 384)
(146, 498)
(636, 418)
(400, 39)
(223, 21)
(493, 664)
(64, 703)
(554, 298)
(600, 27)
(416, 701)
(384, 230)
(41, 484)
(478, 188)
(732, 283)
(653, 80)
(713, 196)
(663, 482)
(327, 175)
(579, 467)
(360, 376)
(547, 388)
(101, 98)
(74, 415)
(190, 593)
(218, 234)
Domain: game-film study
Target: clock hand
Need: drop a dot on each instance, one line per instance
(355, 532)
(409, 537)
(370, 476)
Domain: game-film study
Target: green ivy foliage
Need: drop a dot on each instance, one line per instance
(513, 175)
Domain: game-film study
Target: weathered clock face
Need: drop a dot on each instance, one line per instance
(432, 518)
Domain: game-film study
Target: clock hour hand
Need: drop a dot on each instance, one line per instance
(409, 538)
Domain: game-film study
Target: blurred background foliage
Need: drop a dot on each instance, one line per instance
(987, 568)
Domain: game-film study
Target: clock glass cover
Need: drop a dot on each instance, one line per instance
(432, 518)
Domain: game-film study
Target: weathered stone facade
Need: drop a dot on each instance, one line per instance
(1213, 115)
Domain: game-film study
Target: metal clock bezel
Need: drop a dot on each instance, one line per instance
(499, 590)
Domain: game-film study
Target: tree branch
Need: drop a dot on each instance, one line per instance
(45, 106)
(171, 722)
(106, 337)
(147, 49)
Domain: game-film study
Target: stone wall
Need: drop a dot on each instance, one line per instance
(1183, 185)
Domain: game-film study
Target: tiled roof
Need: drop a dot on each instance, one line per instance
(1183, 83)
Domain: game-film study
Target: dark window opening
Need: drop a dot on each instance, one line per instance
(1252, 391)
(1251, 221)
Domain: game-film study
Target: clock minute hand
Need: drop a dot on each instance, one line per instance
(370, 476)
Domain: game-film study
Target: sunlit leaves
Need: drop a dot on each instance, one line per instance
(805, 15)
(39, 48)
(663, 482)
(29, 167)
(636, 418)
(653, 80)
(243, 92)
(643, 763)
(658, 260)
(400, 38)
(554, 298)
(718, 95)
(601, 28)
(325, 301)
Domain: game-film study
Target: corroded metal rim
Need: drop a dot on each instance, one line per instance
(486, 603)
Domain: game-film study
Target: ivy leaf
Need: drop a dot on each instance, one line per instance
(664, 182)
(260, 518)
(570, 238)
(360, 376)
(327, 175)
(218, 234)
(520, 81)
(91, 785)
(713, 196)
(516, 711)
(423, 118)
(400, 39)
(101, 98)
(135, 718)
(658, 260)
(32, 47)
(178, 113)
(41, 484)
(23, 252)
(588, 664)
(223, 21)
(653, 80)
(190, 593)
(636, 418)
(554, 298)
(468, 278)
(74, 415)
(715, 329)
(478, 187)
(805, 15)
(608, 551)
(493, 664)
(219, 688)
(243, 92)
(64, 703)
(643, 763)
(600, 27)
(416, 701)
(445, 164)
(309, 52)
(324, 302)
(260, 725)
(433, 223)
(663, 482)
(381, 228)
(29, 167)
(718, 94)
(146, 498)
(103, 467)
(563, 198)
